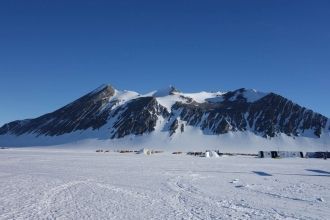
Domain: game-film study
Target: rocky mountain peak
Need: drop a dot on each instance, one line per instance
(126, 113)
(170, 90)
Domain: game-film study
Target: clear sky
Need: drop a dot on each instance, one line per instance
(52, 52)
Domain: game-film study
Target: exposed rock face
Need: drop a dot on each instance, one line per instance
(266, 115)
(174, 126)
(84, 113)
(138, 117)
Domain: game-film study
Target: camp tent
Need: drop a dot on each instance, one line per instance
(214, 154)
(145, 151)
(211, 154)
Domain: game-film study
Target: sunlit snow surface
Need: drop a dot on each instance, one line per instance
(82, 184)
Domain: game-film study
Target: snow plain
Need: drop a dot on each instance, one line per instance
(75, 184)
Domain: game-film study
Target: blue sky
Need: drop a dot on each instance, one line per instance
(52, 52)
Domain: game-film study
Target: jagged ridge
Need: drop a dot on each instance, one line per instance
(265, 114)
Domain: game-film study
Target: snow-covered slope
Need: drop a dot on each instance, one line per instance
(241, 119)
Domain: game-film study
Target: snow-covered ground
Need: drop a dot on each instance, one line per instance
(73, 184)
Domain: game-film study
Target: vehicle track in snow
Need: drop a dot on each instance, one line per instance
(197, 205)
(84, 199)
(47, 206)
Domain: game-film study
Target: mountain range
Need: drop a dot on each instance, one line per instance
(171, 116)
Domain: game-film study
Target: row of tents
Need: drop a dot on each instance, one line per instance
(288, 154)
(147, 151)
(207, 153)
(261, 154)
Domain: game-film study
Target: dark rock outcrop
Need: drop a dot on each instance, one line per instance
(86, 112)
(268, 116)
(139, 116)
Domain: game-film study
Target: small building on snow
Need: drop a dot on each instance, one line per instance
(280, 154)
(318, 154)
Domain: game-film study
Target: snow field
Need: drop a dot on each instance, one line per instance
(61, 184)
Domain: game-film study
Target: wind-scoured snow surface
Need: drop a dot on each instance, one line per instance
(58, 184)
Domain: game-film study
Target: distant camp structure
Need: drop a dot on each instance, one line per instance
(280, 154)
(177, 152)
(211, 154)
(318, 154)
(145, 151)
(207, 153)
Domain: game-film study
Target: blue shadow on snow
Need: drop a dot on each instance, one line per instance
(318, 171)
(260, 173)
